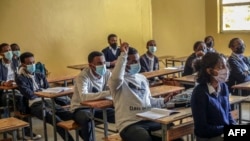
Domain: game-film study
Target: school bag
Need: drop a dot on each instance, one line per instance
(40, 68)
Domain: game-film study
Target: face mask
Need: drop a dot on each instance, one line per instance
(100, 69)
(134, 68)
(222, 76)
(209, 44)
(8, 55)
(240, 49)
(114, 45)
(17, 53)
(210, 49)
(152, 49)
(31, 68)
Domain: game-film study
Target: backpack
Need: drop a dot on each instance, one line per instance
(40, 68)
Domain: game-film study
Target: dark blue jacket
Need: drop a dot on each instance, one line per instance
(25, 84)
(237, 72)
(145, 66)
(188, 69)
(210, 113)
(109, 56)
(4, 70)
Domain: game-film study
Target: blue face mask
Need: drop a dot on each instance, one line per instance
(31, 68)
(8, 55)
(100, 69)
(152, 49)
(17, 53)
(134, 68)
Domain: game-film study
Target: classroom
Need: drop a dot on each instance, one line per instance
(62, 33)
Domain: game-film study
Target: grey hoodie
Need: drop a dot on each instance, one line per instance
(131, 94)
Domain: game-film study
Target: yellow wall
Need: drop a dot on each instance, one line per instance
(221, 39)
(63, 32)
(177, 24)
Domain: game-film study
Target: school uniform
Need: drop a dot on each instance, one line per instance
(210, 110)
(88, 87)
(110, 55)
(239, 71)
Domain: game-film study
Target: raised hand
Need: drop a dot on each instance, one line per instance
(124, 47)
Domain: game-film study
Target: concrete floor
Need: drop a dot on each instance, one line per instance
(38, 126)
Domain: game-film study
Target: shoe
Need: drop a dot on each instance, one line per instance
(35, 136)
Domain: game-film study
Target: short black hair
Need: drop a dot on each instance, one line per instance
(132, 51)
(206, 38)
(209, 60)
(3, 45)
(25, 55)
(231, 42)
(196, 44)
(111, 36)
(93, 54)
(14, 45)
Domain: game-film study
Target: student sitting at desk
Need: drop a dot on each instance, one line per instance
(90, 84)
(239, 65)
(199, 51)
(210, 99)
(131, 95)
(16, 54)
(209, 41)
(28, 82)
(149, 62)
(112, 51)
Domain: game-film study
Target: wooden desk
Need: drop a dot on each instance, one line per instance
(161, 72)
(64, 79)
(242, 86)
(186, 80)
(164, 89)
(99, 104)
(13, 87)
(182, 60)
(164, 59)
(12, 124)
(78, 67)
(52, 96)
(184, 113)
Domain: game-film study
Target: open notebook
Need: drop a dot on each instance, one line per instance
(156, 113)
(56, 89)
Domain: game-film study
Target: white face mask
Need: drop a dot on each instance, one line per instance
(222, 75)
(152, 49)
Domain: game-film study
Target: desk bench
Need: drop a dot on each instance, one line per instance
(113, 137)
(12, 124)
(69, 125)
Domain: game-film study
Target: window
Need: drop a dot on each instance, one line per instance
(235, 15)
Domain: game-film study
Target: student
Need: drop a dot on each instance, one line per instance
(29, 82)
(16, 53)
(239, 65)
(91, 84)
(210, 99)
(112, 51)
(131, 95)
(149, 62)
(199, 51)
(8, 72)
(209, 41)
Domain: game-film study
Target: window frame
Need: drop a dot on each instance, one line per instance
(221, 17)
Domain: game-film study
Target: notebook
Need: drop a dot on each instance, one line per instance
(56, 89)
(156, 113)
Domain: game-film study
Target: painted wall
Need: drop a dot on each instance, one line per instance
(177, 25)
(221, 39)
(63, 32)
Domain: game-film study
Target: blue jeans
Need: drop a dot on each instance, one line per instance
(36, 109)
(83, 117)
